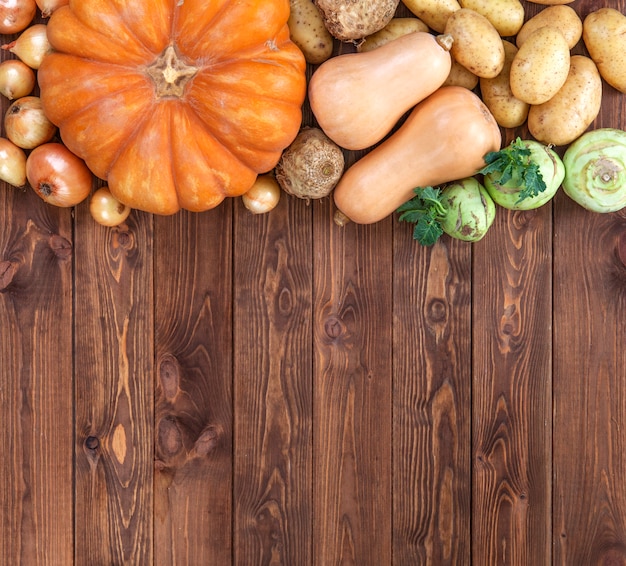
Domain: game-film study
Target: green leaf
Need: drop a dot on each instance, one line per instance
(515, 161)
(427, 231)
(425, 211)
(533, 183)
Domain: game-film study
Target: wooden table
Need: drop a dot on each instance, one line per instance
(223, 388)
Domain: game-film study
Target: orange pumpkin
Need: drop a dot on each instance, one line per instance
(175, 103)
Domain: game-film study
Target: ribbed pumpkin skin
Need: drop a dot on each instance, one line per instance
(232, 104)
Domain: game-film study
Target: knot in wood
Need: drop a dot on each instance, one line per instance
(169, 376)
(170, 438)
(208, 440)
(334, 327)
(61, 247)
(124, 239)
(92, 443)
(437, 311)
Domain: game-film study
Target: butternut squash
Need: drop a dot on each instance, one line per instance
(357, 98)
(445, 138)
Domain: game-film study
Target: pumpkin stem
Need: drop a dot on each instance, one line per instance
(170, 73)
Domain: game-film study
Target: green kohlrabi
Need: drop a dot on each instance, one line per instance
(470, 211)
(524, 175)
(462, 209)
(595, 170)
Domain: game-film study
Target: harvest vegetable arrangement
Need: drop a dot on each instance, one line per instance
(181, 103)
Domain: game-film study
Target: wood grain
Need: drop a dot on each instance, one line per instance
(431, 401)
(590, 394)
(193, 388)
(353, 376)
(36, 381)
(114, 408)
(512, 390)
(223, 388)
(272, 343)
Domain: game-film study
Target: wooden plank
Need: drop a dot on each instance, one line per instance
(589, 387)
(511, 391)
(273, 389)
(589, 493)
(114, 357)
(431, 401)
(36, 385)
(193, 317)
(353, 375)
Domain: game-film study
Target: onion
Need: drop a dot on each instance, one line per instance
(595, 166)
(31, 46)
(26, 123)
(12, 163)
(105, 209)
(17, 79)
(57, 175)
(49, 6)
(16, 15)
(263, 196)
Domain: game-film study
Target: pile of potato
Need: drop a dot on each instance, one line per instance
(523, 68)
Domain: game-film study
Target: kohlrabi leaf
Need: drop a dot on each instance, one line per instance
(514, 161)
(425, 211)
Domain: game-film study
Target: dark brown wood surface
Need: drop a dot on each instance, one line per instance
(224, 388)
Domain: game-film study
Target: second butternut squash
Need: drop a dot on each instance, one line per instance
(445, 138)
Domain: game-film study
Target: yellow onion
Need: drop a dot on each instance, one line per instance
(17, 79)
(16, 15)
(263, 196)
(26, 123)
(106, 210)
(57, 175)
(31, 46)
(12, 163)
(49, 6)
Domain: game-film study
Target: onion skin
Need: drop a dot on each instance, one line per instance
(49, 6)
(16, 15)
(17, 79)
(32, 46)
(106, 210)
(263, 196)
(12, 163)
(595, 166)
(57, 175)
(26, 123)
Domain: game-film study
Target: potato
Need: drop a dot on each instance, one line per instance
(564, 18)
(567, 115)
(434, 13)
(460, 76)
(477, 44)
(604, 35)
(308, 32)
(394, 29)
(551, 2)
(348, 20)
(507, 16)
(508, 111)
(541, 66)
